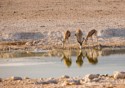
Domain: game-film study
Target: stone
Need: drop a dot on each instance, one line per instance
(119, 75)
(90, 77)
(42, 82)
(74, 82)
(65, 76)
(26, 78)
(52, 81)
(15, 78)
(71, 82)
(0, 79)
(65, 83)
(96, 79)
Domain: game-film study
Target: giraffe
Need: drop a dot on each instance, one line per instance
(79, 36)
(91, 34)
(66, 36)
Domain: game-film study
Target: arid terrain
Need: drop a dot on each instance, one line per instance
(88, 81)
(41, 23)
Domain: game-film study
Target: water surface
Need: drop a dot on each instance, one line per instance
(56, 63)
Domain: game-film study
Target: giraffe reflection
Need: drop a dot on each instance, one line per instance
(66, 58)
(92, 56)
(80, 57)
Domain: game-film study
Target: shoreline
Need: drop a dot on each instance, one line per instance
(30, 25)
(37, 44)
(116, 80)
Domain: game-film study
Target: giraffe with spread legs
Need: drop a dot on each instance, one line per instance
(79, 36)
(66, 36)
(91, 34)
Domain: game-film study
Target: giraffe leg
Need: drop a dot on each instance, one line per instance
(68, 44)
(85, 43)
(92, 42)
(80, 46)
(63, 44)
(97, 39)
(89, 45)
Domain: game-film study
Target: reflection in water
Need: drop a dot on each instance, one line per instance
(92, 56)
(20, 54)
(80, 57)
(67, 57)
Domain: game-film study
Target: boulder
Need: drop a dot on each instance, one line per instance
(65, 76)
(119, 75)
(74, 82)
(71, 82)
(90, 77)
(51, 81)
(15, 78)
(0, 79)
(26, 78)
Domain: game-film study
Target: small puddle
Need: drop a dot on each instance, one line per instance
(56, 63)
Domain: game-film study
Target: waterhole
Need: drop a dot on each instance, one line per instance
(55, 63)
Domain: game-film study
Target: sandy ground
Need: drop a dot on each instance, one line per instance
(31, 24)
(47, 20)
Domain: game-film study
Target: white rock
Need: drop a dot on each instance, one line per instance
(119, 75)
(90, 77)
(48, 81)
(50, 78)
(15, 78)
(65, 83)
(65, 76)
(53, 81)
(74, 82)
(96, 79)
(71, 82)
(26, 78)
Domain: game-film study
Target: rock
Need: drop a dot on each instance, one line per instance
(65, 76)
(26, 78)
(28, 43)
(65, 83)
(96, 79)
(71, 82)
(105, 75)
(52, 81)
(119, 75)
(15, 78)
(74, 82)
(42, 82)
(0, 79)
(90, 77)
(50, 78)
